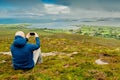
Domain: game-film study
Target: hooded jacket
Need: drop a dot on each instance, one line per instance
(22, 53)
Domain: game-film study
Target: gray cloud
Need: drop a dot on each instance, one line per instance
(95, 8)
(79, 8)
(107, 5)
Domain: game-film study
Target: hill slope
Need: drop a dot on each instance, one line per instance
(80, 66)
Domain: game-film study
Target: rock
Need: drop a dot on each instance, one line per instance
(75, 53)
(3, 61)
(7, 53)
(47, 54)
(100, 62)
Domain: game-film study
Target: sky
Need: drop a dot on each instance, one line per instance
(59, 8)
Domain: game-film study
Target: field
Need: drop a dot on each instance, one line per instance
(101, 31)
(68, 66)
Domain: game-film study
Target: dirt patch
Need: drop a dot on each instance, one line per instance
(47, 54)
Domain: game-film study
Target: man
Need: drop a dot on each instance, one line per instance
(24, 55)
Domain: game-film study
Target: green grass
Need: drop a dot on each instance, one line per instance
(79, 66)
(101, 31)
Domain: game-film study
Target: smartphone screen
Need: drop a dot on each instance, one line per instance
(32, 33)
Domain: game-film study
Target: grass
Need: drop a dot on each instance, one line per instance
(101, 31)
(79, 66)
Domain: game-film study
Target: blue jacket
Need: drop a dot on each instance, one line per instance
(22, 53)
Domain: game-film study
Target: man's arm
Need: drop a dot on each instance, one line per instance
(34, 46)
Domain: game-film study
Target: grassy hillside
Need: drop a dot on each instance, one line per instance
(79, 66)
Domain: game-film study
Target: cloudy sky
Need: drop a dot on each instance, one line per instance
(59, 8)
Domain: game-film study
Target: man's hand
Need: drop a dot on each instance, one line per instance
(36, 35)
(28, 35)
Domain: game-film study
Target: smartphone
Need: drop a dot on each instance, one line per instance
(32, 34)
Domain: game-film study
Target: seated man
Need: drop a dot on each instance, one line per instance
(25, 55)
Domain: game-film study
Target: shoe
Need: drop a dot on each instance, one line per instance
(39, 61)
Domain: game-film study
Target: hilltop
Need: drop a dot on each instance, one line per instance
(74, 60)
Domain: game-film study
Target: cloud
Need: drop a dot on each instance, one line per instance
(21, 8)
(39, 10)
(109, 5)
(94, 8)
(56, 9)
(75, 8)
(88, 8)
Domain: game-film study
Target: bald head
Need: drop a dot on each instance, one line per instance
(20, 33)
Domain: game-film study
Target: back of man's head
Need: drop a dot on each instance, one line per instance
(20, 33)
